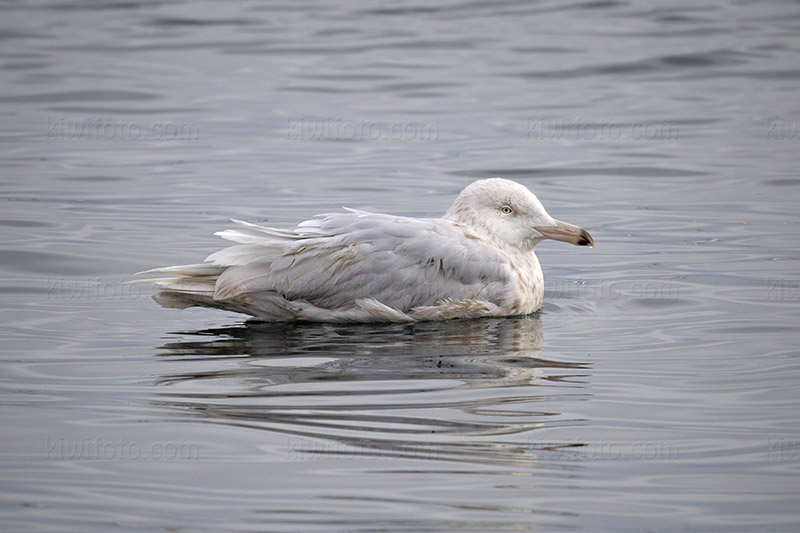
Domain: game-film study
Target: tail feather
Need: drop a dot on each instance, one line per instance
(181, 300)
(198, 285)
(237, 278)
(187, 285)
(200, 269)
(255, 234)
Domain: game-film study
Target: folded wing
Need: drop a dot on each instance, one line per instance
(335, 260)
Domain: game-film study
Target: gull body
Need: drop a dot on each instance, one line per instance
(355, 266)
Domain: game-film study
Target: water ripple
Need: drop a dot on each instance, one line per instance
(462, 385)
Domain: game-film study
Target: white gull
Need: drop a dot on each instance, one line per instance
(355, 266)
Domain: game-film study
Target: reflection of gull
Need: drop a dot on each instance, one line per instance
(485, 352)
(356, 266)
(464, 390)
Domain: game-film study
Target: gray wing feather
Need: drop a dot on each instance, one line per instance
(336, 259)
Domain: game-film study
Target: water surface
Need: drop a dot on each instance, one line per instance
(655, 391)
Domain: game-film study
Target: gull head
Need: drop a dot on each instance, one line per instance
(510, 214)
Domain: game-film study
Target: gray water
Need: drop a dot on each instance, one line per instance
(657, 390)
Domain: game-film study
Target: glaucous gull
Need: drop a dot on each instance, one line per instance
(354, 266)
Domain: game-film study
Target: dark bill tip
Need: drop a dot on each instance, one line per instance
(562, 231)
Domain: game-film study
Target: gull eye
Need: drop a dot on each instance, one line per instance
(506, 210)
